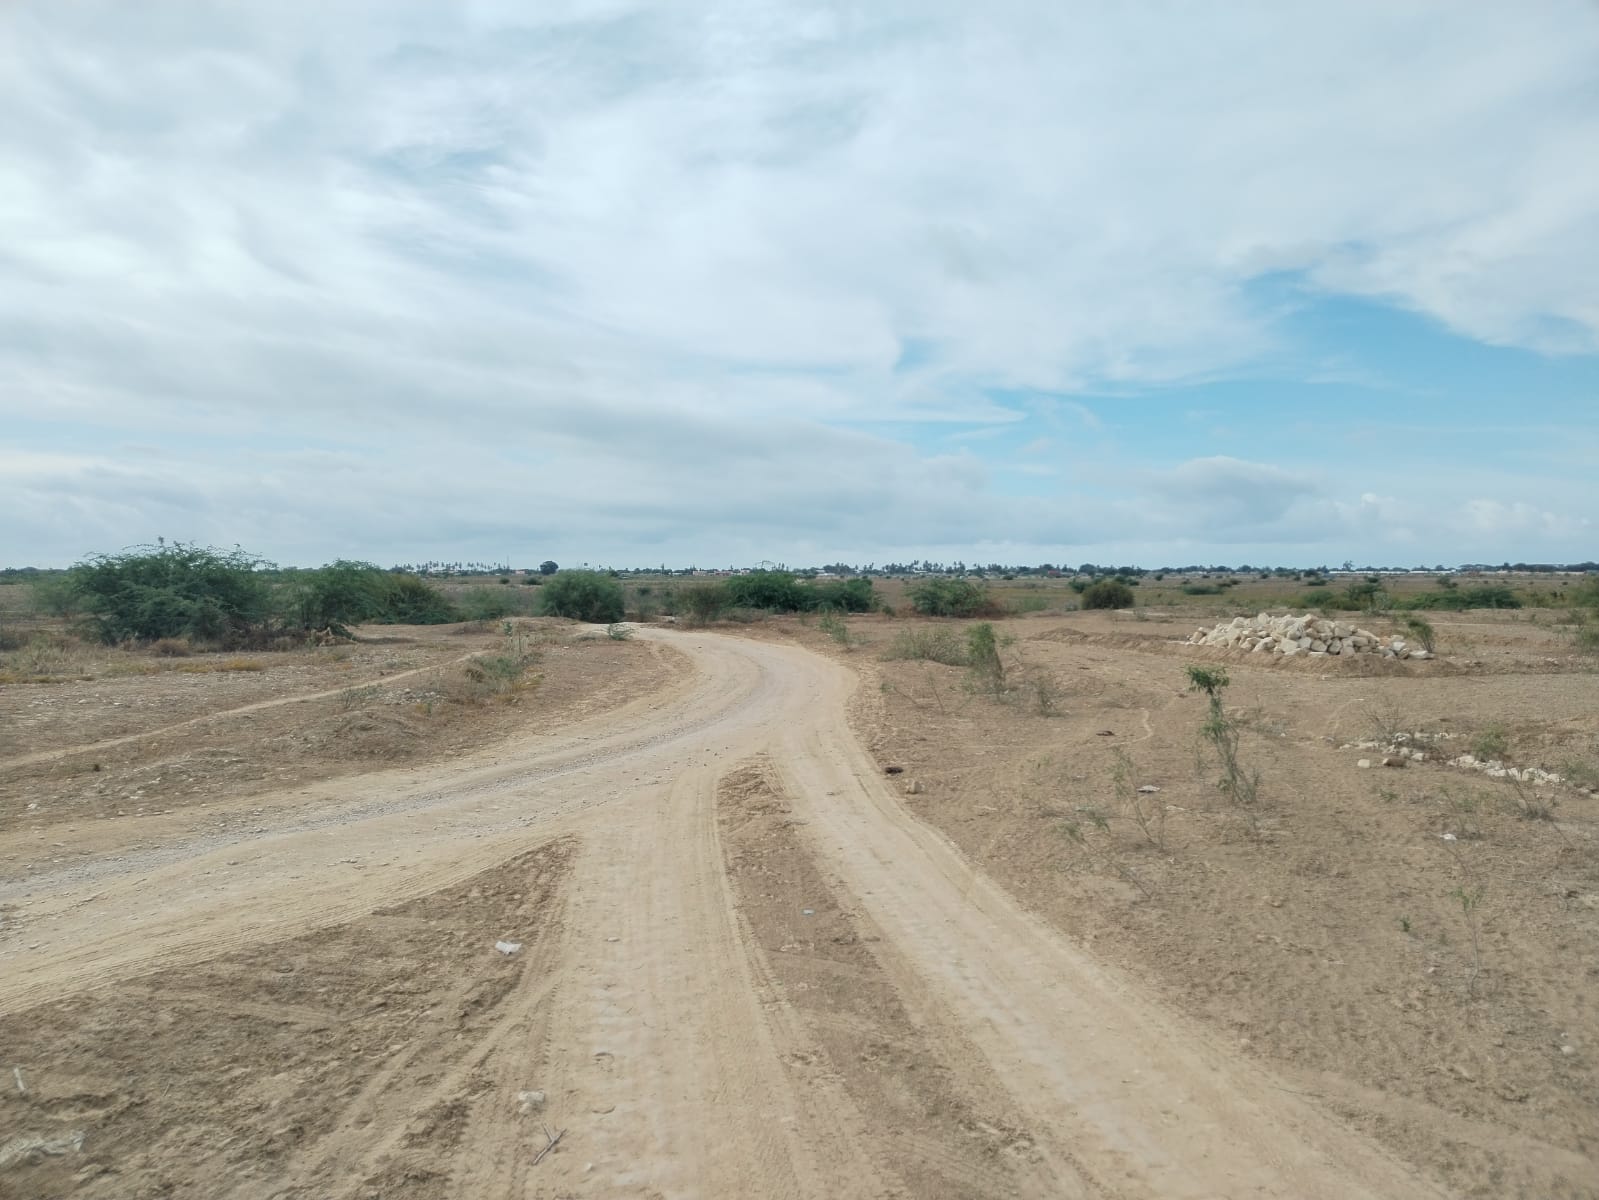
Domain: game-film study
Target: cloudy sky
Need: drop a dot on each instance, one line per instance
(720, 282)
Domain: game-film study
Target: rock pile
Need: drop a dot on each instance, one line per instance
(1309, 635)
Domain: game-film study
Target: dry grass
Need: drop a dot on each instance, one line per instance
(217, 666)
(53, 657)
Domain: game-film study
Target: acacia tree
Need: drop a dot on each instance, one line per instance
(176, 590)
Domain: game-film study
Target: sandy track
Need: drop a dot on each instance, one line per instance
(653, 1021)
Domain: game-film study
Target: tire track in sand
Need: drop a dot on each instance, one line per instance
(668, 1047)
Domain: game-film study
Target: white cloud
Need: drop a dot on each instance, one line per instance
(1496, 519)
(684, 250)
(1221, 492)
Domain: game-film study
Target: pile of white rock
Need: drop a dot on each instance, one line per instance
(1309, 635)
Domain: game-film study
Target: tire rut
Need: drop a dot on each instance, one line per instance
(981, 1052)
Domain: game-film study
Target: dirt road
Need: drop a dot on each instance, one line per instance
(746, 971)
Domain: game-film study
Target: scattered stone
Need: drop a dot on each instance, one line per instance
(913, 788)
(1495, 769)
(507, 948)
(530, 1102)
(1148, 789)
(31, 1147)
(1364, 764)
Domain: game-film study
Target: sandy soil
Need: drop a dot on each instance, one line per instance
(752, 963)
(1332, 948)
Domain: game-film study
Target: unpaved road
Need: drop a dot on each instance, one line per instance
(686, 1042)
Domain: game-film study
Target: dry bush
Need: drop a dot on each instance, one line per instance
(372, 734)
(171, 647)
(935, 643)
(218, 666)
(502, 676)
(47, 657)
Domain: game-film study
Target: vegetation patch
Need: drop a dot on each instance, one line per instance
(1108, 593)
(176, 591)
(359, 593)
(935, 644)
(591, 596)
(939, 597)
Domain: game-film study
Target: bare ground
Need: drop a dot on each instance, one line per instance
(752, 963)
(1332, 947)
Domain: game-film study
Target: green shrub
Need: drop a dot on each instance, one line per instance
(1585, 638)
(346, 592)
(844, 595)
(834, 627)
(488, 604)
(412, 600)
(176, 591)
(498, 674)
(1200, 589)
(55, 595)
(1493, 743)
(774, 591)
(582, 596)
(1422, 630)
(701, 603)
(1458, 599)
(938, 597)
(982, 656)
(1357, 597)
(341, 593)
(1109, 593)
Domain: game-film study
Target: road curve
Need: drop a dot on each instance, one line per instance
(656, 1008)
